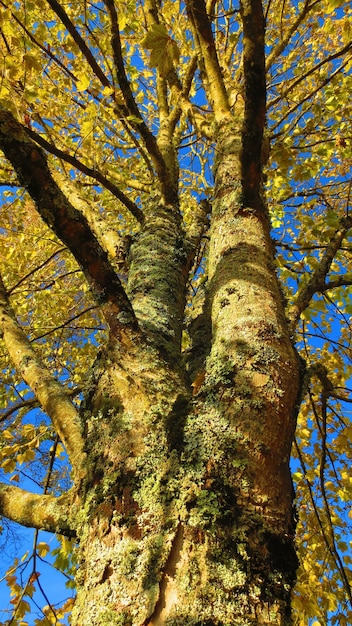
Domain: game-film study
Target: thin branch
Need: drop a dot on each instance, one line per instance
(341, 281)
(36, 269)
(317, 283)
(68, 224)
(33, 510)
(88, 171)
(280, 47)
(312, 70)
(331, 548)
(327, 388)
(33, 574)
(89, 56)
(310, 95)
(32, 403)
(20, 596)
(40, 587)
(25, 404)
(131, 105)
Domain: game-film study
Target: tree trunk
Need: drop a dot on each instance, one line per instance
(187, 516)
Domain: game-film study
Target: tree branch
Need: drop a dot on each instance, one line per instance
(32, 510)
(199, 18)
(51, 395)
(31, 403)
(68, 224)
(108, 236)
(317, 282)
(309, 72)
(131, 105)
(180, 93)
(280, 47)
(25, 404)
(95, 174)
(254, 99)
(341, 281)
(89, 56)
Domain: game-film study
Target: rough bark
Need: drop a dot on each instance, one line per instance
(187, 514)
(36, 511)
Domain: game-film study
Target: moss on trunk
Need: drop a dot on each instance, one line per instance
(186, 514)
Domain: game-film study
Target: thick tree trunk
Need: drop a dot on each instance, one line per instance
(187, 515)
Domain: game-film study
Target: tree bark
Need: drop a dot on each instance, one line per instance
(186, 515)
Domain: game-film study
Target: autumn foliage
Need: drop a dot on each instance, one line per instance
(105, 107)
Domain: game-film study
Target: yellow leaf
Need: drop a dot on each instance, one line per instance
(42, 548)
(26, 456)
(22, 608)
(28, 430)
(8, 465)
(7, 434)
(83, 82)
(108, 91)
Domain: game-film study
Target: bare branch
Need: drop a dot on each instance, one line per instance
(44, 512)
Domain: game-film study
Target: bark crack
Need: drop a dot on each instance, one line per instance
(167, 590)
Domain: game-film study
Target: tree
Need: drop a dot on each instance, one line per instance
(168, 335)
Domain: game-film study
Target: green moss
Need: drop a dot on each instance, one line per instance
(112, 618)
(206, 512)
